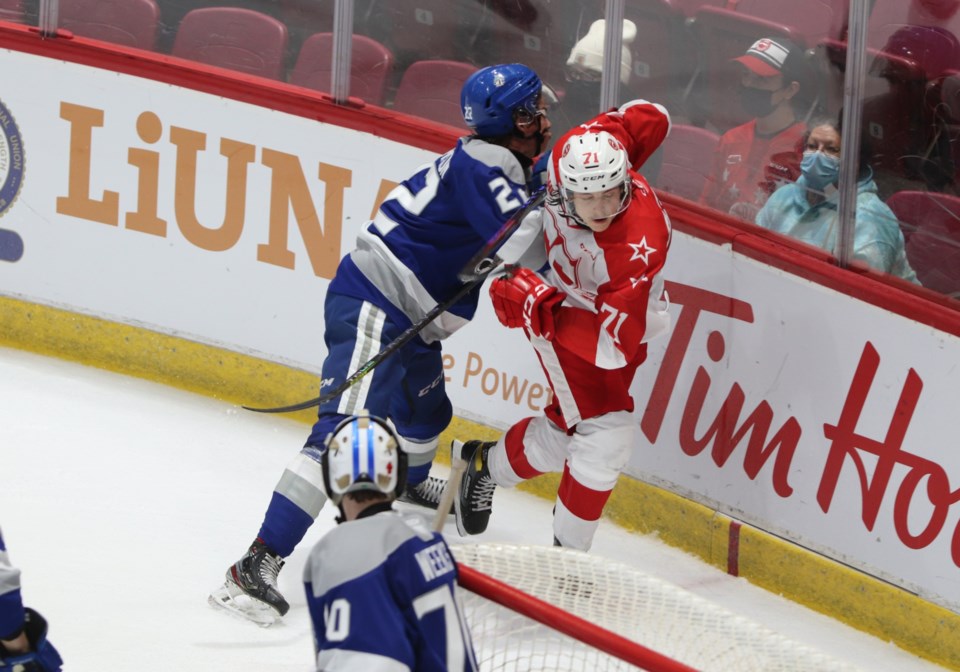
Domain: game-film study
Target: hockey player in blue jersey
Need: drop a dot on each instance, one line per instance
(23, 632)
(405, 263)
(381, 587)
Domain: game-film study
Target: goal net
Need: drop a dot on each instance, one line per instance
(534, 608)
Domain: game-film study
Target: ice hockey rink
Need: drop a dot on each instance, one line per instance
(123, 501)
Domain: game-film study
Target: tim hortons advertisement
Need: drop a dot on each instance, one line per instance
(809, 414)
(786, 405)
(782, 403)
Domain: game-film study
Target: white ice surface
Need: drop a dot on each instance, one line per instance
(123, 502)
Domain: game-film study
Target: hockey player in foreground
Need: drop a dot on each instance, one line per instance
(588, 319)
(406, 261)
(381, 587)
(24, 646)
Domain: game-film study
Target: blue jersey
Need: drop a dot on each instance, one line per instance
(382, 597)
(11, 604)
(428, 228)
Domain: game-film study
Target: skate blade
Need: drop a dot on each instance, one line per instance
(455, 453)
(231, 599)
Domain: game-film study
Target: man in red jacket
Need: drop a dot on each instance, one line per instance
(754, 159)
(588, 318)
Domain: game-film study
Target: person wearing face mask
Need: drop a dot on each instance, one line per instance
(581, 99)
(807, 209)
(755, 158)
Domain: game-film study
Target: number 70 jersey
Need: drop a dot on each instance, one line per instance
(382, 596)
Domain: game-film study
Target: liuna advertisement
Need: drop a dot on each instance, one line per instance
(775, 400)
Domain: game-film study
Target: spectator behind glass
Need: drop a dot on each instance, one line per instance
(581, 99)
(807, 209)
(584, 69)
(753, 159)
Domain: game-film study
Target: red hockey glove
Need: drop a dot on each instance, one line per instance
(523, 299)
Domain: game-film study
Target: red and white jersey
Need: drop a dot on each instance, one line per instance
(612, 280)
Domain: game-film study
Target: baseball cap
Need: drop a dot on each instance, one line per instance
(768, 57)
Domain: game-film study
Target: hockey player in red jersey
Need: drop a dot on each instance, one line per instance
(588, 318)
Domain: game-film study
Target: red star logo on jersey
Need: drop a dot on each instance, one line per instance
(642, 251)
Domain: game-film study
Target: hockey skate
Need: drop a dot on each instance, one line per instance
(475, 503)
(250, 589)
(426, 494)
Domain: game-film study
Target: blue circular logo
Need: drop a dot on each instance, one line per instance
(11, 180)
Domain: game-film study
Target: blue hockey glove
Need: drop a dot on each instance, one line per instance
(42, 657)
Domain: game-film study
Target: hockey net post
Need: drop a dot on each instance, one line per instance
(536, 608)
(569, 624)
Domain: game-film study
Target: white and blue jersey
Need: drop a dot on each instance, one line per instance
(11, 604)
(381, 591)
(407, 259)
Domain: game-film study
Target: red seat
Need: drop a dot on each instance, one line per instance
(423, 29)
(538, 33)
(810, 20)
(691, 7)
(13, 10)
(233, 38)
(370, 66)
(889, 16)
(431, 89)
(662, 59)
(132, 23)
(895, 110)
(931, 226)
(687, 160)
(305, 18)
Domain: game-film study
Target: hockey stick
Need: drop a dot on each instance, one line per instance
(451, 490)
(477, 269)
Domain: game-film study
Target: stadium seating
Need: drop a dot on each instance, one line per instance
(687, 160)
(538, 33)
(663, 62)
(931, 225)
(13, 10)
(897, 110)
(370, 67)
(132, 23)
(233, 38)
(809, 21)
(423, 29)
(431, 89)
(889, 16)
(691, 7)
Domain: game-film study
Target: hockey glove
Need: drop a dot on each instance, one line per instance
(42, 657)
(522, 299)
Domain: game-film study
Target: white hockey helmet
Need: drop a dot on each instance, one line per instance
(363, 453)
(593, 162)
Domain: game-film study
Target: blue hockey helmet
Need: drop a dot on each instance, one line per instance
(363, 453)
(491, 96)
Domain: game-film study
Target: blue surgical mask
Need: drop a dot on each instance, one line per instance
(820, 170)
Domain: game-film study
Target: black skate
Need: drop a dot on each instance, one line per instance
(475, 503)
(426, 494)
(250, 588)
